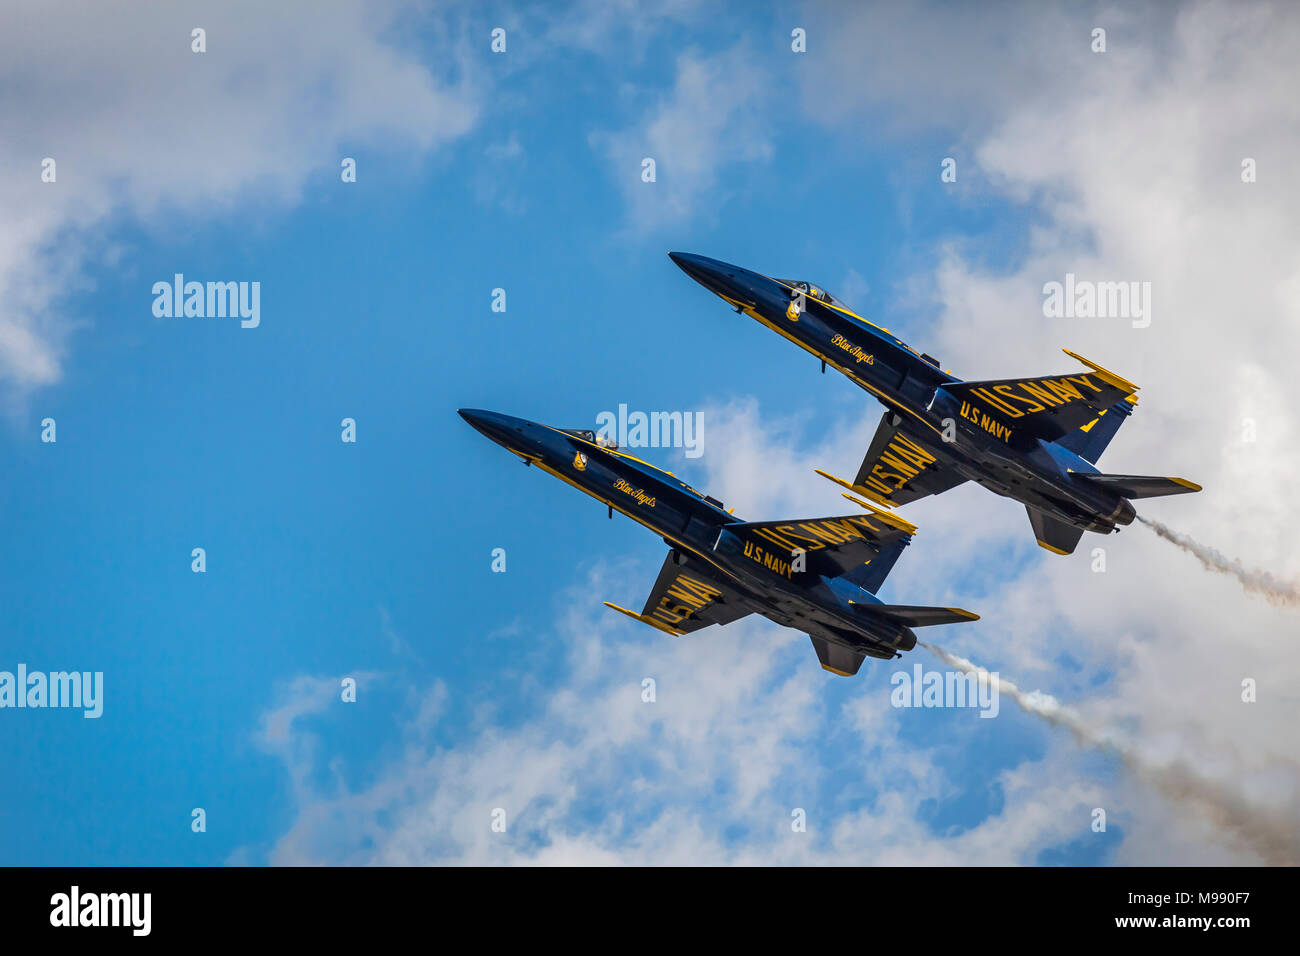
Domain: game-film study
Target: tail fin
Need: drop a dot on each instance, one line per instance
(1141, 486)
(1090, 440)
(837, 658)
(871, 575)
(1053, 534)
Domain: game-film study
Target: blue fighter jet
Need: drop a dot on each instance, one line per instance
(1036, 440)
(817, 575)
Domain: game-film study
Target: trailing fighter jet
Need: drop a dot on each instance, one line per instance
(817, 575)
(1036, 440)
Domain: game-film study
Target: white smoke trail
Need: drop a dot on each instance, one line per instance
(1280, 593)
(1274, 837)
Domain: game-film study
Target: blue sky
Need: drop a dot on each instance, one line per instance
(480, 690)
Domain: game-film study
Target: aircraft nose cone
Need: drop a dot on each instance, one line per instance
(492, 424)
(720, 278)
(697, 267)
(474, 416)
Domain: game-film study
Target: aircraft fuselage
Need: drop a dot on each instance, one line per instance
(910, 385)
(697, 529)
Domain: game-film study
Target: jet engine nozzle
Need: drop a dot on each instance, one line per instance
(1125, 514)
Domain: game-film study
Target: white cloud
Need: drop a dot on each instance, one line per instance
(737, 739)
(1130, 161)
(143, 129)
(711, 119)
(744, 730)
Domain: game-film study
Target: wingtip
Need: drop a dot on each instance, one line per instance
(645, 620)
(864, 492)
(1105, 374)
(888, 517)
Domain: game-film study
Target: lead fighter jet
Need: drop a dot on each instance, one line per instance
(1036, 440)
(819, 575)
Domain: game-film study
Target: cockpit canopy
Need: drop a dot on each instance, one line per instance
(817, 292)
(587, 434)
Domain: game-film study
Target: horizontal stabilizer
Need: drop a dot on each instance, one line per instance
(1142, 486)
(915, 616)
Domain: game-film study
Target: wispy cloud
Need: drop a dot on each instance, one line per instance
(710, 772)
(711, 120)
(144, 130)
(744, 730)
(1126, 179)
(1124, 183)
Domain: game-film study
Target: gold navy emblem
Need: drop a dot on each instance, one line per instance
(580, 461)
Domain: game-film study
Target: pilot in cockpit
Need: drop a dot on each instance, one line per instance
(599, 440)
(815, 291)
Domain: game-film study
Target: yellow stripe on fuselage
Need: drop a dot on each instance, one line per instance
(617, 453)
(623, 511)
(831, 362)
(850, 313)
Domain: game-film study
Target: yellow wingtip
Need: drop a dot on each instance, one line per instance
(840, 673)
(1048, 547)
(829, 477)
(645, 620)
(1189, 485)
(1106, 375)
(887, 517)
(865, 492)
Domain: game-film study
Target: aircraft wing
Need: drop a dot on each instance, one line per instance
(898, 469)
(829, 546)
(688, 596)
(1047, 406)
